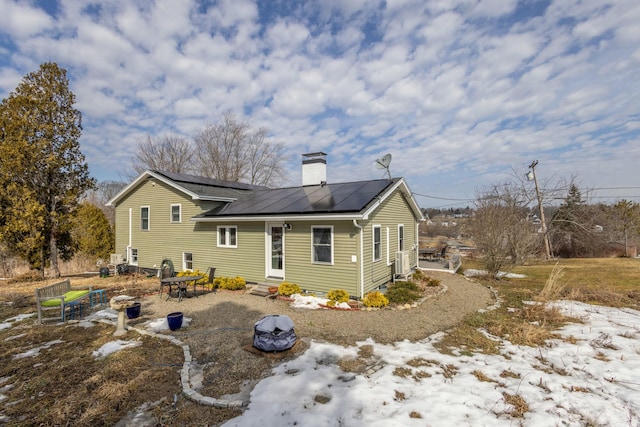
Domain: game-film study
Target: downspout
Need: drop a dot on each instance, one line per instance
(129, 245)
(417, 245)
(361, 259)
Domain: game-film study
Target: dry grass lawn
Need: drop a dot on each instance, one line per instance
(64, 384)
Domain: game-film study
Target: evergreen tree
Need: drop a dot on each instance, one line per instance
(43, 174)
(572, 231)
(626, 220)
(92, 232)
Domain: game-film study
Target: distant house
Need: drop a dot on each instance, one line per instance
(355, 236)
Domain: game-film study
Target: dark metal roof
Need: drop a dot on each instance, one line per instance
(311, 199)
(203, 180)
(209, 187)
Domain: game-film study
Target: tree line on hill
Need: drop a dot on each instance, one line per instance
(506, 229)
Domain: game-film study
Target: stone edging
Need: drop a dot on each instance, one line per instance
(225, 403)
(407, 306)
(414, 304)
(185, 372)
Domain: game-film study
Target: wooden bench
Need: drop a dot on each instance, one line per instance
(58, 296)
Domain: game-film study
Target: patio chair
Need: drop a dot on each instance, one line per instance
(211, 274)
(165, 273)
(442, 255)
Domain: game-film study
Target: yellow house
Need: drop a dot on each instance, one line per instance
(355, 236)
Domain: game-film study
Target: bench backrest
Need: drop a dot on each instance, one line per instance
(53, 290)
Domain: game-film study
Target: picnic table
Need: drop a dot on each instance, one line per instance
(428, 253)
(181, 282)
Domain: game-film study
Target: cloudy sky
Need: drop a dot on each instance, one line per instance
(462, 93)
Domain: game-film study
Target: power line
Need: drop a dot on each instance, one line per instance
(443, 198)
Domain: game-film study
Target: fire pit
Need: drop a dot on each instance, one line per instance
(274, 333)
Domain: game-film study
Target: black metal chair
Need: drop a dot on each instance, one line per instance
(165, 273)
(211, 274)
(441, 255)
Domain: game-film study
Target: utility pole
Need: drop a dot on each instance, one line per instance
(531, 175)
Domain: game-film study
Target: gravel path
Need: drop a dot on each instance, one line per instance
(221, 331)
(215, 311)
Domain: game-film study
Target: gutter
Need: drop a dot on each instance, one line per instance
(271, 218)
(361, 260)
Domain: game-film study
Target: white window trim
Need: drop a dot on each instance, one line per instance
(330, 227)
(148, 218)
(388, 246)
(184, 261)
(401, 226)
(373, 242)
(227, 236)
(131, 261)
(179, 205)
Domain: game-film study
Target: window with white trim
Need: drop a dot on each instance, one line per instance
(187, 261)
(228, 236)
(176, 213)
(144, 218)
(134, 256)
(377, 243)
(322, 244)
(401, 237)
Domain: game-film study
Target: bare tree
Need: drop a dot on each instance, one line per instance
(233, 151)
(501, 228)
(170, 153)
(105, 191)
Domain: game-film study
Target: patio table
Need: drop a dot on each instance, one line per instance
(181, 283)
(428, 253)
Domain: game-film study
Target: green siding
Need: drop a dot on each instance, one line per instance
(168, 240)
(164, 238)
(393, 211)
(247, 260)
(300, 269)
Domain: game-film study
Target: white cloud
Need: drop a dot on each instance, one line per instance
(494, 8)
(23, 20)
(433, 82)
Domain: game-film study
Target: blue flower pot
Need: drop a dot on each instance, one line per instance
(133, 311)
(174, 320)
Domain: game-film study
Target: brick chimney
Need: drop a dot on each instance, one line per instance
(314, 168)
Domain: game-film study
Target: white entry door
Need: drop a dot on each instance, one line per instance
(275, 250)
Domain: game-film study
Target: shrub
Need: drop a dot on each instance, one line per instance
(403, 293)
(202, 281)
(30, 276)
(433, 282)
(230, 283)
(375, 299)
(338, 295)
(287, 289)
(419, 275)
(406, 285)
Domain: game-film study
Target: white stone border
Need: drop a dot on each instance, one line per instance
(185, 379)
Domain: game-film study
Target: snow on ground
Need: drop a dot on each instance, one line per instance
(10, 321)
(113, 346)
(472, 273)
(589, 376)
(312, 302)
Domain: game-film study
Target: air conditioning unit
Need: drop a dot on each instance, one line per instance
(116, 259)
(403, 262)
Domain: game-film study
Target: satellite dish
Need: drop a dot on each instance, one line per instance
(384, 162)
